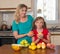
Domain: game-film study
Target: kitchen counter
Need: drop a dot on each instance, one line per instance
(6, 33)
(55, 33)
(6, 37)
(9, 33)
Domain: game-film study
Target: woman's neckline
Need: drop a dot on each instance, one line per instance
(25, 20)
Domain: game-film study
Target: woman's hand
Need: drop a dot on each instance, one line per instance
(30, 34)
(40, 35)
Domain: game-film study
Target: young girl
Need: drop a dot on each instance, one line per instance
(41, 33)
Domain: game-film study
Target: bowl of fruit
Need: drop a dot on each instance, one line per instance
(16, 47)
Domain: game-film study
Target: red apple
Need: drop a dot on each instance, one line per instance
(52, 46)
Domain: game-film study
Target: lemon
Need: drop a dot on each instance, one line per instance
(30, 47)
(33, 43)
(33, 48)
(22, 43)
(26, 45)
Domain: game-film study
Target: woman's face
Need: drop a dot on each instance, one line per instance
(23, 11)
(39, 23)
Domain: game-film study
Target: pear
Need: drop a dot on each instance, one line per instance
(43, 45)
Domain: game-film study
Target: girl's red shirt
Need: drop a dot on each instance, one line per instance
(44, 32)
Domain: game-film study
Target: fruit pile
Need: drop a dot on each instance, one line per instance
(24, 43)
(33, 46)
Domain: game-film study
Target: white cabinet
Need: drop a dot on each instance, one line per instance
(12, 4)
(55, 39)
(52, 39)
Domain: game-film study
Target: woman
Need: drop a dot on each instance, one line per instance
(22, 25)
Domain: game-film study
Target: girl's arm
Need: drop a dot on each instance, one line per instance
(48, 38)
(35, 41)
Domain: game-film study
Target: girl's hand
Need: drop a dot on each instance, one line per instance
(40, 35)
(30, 33)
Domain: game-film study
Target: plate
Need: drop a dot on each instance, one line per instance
(18, 45)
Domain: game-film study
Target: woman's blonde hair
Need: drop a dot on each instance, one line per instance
(39, 18)
(16, 15)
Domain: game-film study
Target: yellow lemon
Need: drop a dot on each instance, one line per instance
(32, 43)
(30, 47)
(26, 44)
(26, 41)
(22, 42)
(33, 47)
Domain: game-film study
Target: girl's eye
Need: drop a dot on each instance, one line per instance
(41, 22)
(24, 10)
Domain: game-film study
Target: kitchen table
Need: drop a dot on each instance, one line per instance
(6, 49)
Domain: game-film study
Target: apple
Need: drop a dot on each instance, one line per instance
(51, 46)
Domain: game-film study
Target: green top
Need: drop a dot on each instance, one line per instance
(23, 28)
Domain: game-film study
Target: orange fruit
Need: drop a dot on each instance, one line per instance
(40, 33)
(15, 47)
(48, 44)
(39, 45)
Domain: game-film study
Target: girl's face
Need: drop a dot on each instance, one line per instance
(39, 23)
(23, 11)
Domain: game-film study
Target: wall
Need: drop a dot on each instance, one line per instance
(31, 12)
(0, 18)
(59, 10)
(14, 3)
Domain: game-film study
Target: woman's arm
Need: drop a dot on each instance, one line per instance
(48, 38)
(16, 35)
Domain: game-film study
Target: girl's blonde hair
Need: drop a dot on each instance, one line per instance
(16, 15)
(38, 18)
